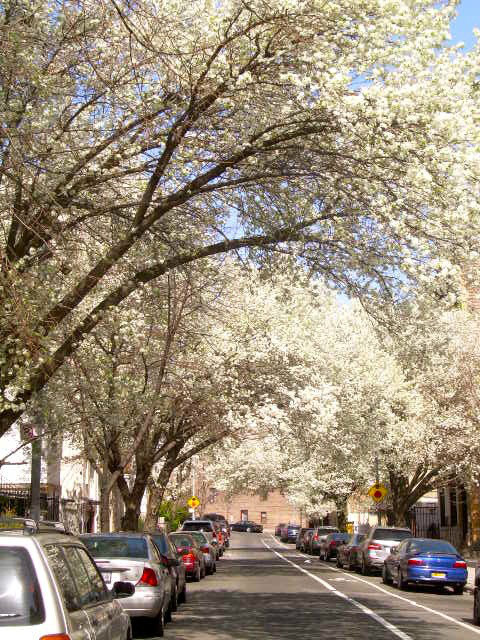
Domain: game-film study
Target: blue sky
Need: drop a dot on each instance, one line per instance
(468, 18)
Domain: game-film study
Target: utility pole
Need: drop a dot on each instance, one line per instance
(193, 485)
(35, 476)
(377, 482)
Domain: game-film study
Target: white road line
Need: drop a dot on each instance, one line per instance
(397, 632)
(465, 625)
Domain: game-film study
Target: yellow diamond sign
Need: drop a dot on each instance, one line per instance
(377, 492)
(193, 502)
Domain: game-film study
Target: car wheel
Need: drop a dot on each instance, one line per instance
(158, 625)
(203, 573)
(327, 556)
(168, 613)
(476, 608)
(350, 565)
(364, 569)
(174, 605)
(458, 590)
(339, 564)
(385, 577)
(402, 584)
(198, 576)
(249, 529)
(182, 596)
(214, 569)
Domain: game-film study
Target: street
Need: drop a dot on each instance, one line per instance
(264, 590)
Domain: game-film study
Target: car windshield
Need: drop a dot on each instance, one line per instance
(432, 546)
(391, 534)
(116, 547)
(20, 598)
(182, 541)
(197, 526)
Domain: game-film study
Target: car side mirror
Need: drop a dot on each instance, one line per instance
(122, 589)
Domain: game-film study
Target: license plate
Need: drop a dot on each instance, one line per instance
(107, 577)
(436, 574)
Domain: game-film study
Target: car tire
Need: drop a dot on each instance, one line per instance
(402, 584)
(174, 605)
(168, 613)
(364, 569)
(476, 607)
(339, 564)
(249, 529)
(458, 591)
(385, 577)
(203, 573)
(214, 568)
(182, 596)
(326, 556)
(158, 625)
(198, 575)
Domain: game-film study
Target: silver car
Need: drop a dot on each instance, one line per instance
(134, 558)
(377, 545)
(205, 526)
(208, 550)
(50, 587)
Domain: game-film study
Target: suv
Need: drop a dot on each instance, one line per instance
(51, 587)
(376, 547)
(208, 528)
(318, 536)
(289, 533)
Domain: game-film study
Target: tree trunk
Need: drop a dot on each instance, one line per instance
(405, 492)
(341, 505)
(131, 516)
(116, 500)
(105, 500)
(158, 488)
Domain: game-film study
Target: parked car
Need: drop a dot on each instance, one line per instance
(476, 596)
(205, 526)
(208, 550)
(219, 520)
(220, 538)
(300, 536)
(347, 553)
(51, 587)
(188, 549)
(290, 533)
(376, 547)
(278, 528)
(330, 544)
(134, 558)
(306, 542)
(248, 526)
(319, 533)
(175, 566)
(425, 561)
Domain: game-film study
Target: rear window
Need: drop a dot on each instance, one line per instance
(199, 537)
(432, 546)
(182, 541)
(340, 536)
(161, 543)
(116, 547)
(20, 598)
(391, 534)
(197, 526)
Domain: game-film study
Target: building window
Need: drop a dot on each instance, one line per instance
(263, 517)
(244, 514)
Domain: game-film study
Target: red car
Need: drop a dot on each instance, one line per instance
(191, 554)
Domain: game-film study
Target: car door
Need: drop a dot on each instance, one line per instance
(79, 627)
(105, 604)
(91, 603)
(399, 558)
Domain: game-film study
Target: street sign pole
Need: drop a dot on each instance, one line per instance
(193, 486)
(377, 482)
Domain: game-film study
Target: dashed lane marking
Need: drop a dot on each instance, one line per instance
(465, 625)
(387, 625)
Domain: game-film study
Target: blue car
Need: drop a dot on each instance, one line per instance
(425, 561)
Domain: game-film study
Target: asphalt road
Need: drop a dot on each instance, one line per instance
(265, 590)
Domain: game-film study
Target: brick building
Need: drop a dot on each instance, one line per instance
(269, 509)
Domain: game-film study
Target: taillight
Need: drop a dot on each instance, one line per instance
(214, 535)
(148, 577)
(415, 561)
(333, 543)
(459, 564)
(374, 546)
(56, 636)
(205, 549)
(315, 537)
(189, 558)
